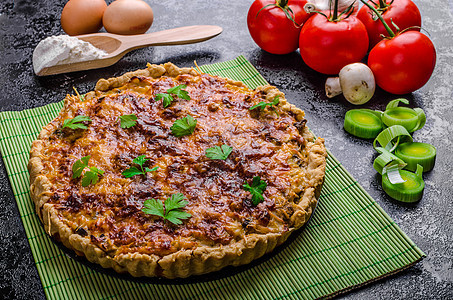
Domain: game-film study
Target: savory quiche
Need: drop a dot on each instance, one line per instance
(171, 172)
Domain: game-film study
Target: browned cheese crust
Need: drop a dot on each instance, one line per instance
(105, 221)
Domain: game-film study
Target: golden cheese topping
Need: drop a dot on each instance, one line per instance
(264, 143)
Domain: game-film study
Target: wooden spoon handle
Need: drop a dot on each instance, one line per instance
(176, 36)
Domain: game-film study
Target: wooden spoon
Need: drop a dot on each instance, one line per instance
(118, 45)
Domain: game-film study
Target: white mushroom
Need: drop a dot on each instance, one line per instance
(324, 5)
(356, 81)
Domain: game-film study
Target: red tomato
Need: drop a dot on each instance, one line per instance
(270, 27)
(404, 63)
(328, 46)
(404, 13)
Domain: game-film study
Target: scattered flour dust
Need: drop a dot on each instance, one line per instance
(63, 49)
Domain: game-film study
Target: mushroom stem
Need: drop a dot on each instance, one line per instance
(310, 8)
(333, 87)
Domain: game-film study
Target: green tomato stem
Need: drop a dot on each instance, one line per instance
(335, 11)
(389, 30)
(281, 3)
(382, 4)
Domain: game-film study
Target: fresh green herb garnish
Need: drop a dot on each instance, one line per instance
(217, 152)
(177, 91)
(256, 189)
(172, 210)
(167, 99)
(79, 166)
(132, 171)
(128, 121)
(76, 122)
(91, 176)
(184, 126)
(263, 104)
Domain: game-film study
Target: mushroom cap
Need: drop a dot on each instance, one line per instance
(357, 83)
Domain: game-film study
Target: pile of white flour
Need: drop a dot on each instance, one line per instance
(63, 49)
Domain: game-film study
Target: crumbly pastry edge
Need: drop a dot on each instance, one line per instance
(182, 263)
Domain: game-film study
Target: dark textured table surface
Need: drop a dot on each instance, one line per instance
(428, 223)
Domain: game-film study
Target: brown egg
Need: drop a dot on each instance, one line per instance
(128, 17)
(82, 16)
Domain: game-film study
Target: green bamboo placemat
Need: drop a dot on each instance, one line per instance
(349, 241)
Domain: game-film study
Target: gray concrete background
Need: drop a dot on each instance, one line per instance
(428, 223)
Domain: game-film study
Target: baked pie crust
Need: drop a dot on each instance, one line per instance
(104, 221)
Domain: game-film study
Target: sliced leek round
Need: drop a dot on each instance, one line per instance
(403, 116)
(363, 123)
(388, 163)
(411, 190)
(411, 119)
(390, 137)
(394, 103)
(417, 154)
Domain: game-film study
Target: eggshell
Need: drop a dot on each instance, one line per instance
(82, 16)
(128, 17)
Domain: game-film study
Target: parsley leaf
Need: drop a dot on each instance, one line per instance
(173, 208)
(177, 91)
(256, 189)
(128, 121)
(175, 216)
(167, 99)
(76, 122)
(154, 207)
(152, 169)
(140, 160)
(263, 104)
(217, 152)
(132, 171)
(91, 176)
(184, 126)
(79, 165)
(175, 201)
